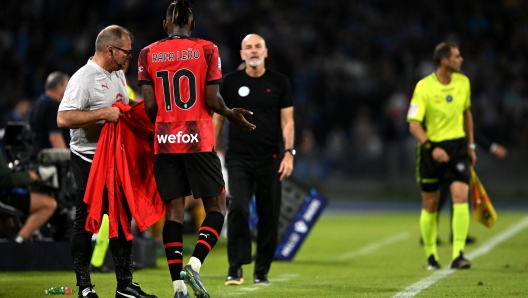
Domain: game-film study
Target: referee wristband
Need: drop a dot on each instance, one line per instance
(472, 146)
(428, 146)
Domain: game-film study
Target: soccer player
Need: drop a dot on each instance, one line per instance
(256, 162)
(440, 119)
(179, 77)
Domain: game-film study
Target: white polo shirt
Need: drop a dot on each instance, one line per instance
(92, 88)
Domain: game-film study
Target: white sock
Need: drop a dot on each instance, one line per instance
(179, 286)
(195, 264)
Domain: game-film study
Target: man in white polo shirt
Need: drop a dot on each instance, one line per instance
(86, 105)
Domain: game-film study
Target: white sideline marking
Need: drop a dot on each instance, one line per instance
(238, 290)
(374, 246)
(423, 284)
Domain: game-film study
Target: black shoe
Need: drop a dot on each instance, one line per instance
(460, 262)
(234, 276)
(88, 293)
(133, 290)
(432, 264)
(260, 279)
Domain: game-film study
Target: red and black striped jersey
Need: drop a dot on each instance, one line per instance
(180, 68)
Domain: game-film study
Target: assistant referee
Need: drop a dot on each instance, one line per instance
(256, 161)
(440, 119)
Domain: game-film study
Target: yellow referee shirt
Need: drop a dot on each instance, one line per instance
(440, 107)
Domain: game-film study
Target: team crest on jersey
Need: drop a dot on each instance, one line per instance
(243, 91)
(119, 98)
(449, 98)
(461, 167)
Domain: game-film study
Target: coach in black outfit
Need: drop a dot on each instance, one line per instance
(256, 161)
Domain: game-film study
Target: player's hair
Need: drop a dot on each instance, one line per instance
(55, 79)
(111, 36)
(179, 12)
(443, 50)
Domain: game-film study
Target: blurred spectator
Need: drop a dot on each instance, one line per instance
(43, 115)
(341, 56)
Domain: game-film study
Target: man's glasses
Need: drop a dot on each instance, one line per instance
(127, 52)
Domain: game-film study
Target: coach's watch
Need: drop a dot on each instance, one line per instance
(291, 150)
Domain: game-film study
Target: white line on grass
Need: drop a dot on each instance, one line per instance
(423, 284)
(374, 246)
(237, 290)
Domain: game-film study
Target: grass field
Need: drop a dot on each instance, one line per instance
(346, 255)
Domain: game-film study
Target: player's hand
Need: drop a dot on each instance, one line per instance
(237, 117)
(440, 155)
(112, 114)
(472, 157)
(286, 166)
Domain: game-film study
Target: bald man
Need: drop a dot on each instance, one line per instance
(86, 105)
(256, 162)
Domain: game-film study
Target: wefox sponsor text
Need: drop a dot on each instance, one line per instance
(180, 137)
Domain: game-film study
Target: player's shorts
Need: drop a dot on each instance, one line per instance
(19, 201)
(430, 174)
(180, 174)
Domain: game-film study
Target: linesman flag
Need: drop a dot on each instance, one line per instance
(481, 204)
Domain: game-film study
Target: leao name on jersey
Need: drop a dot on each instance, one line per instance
(180, 55)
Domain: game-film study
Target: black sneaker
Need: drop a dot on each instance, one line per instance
(88, 293)
(133, 290)
(193, 279)
(432, 264)
(460, 262)
(234, 276)
(260, 279)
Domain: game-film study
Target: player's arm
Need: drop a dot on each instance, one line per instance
(468, 128)
(151, 107)
(56, 140)
(79, 119)
(218, 125)
(288, 134)
(215, 102)
(416, 129)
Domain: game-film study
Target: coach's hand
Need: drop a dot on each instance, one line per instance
(112, 114)
(440, 155)
(237, 117)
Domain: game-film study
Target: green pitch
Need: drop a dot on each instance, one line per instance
(352, 255)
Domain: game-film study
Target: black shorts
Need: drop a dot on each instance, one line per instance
(179, 175)
(430, 174)
(21, 202)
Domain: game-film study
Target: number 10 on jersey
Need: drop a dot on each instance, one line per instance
(183, 88)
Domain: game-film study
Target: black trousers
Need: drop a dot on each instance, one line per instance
(81, 242)
(247, 178)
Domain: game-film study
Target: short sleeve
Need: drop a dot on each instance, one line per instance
(144, 77)
(417, 107)
(76, 97)
(467, 103)
(286, 99)
(214, 64)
